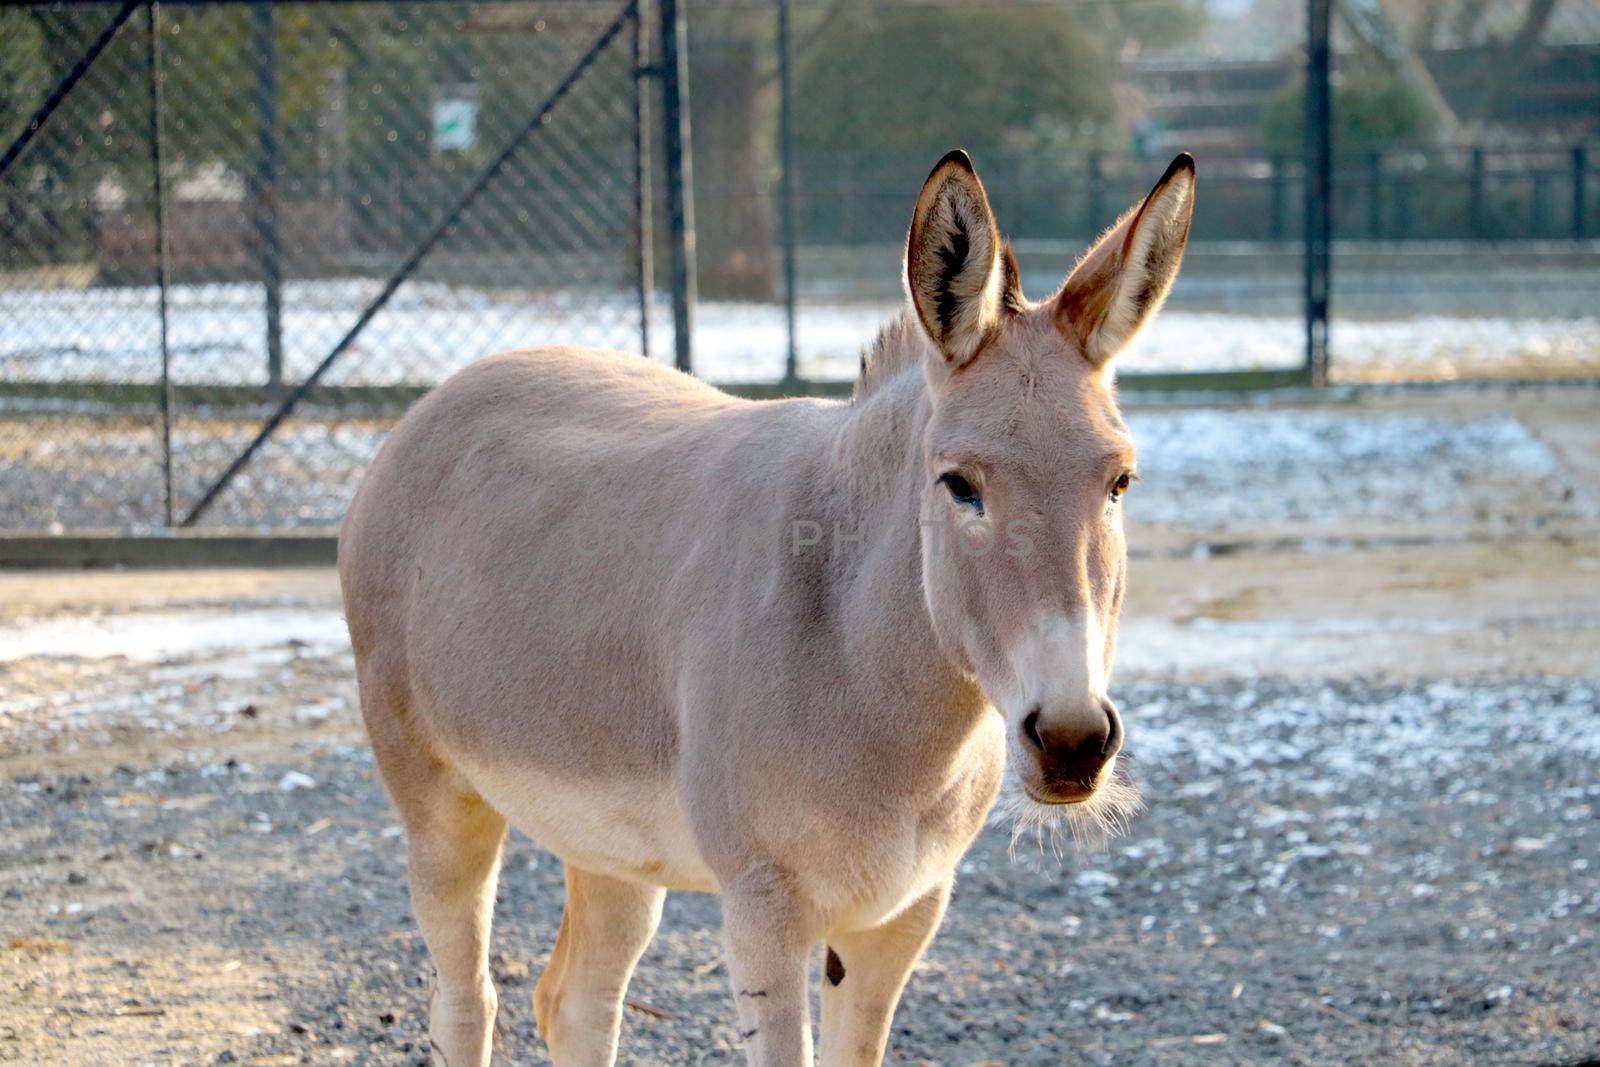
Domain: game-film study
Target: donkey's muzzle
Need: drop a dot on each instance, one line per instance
(1071, 752)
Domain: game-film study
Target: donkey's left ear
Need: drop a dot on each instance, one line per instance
(953, 261)
(1119, 285)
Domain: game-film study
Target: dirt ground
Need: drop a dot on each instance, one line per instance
(1368, 745)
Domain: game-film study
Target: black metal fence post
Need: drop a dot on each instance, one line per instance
(1374, 195)
(674, 64)
(1095, 219)
(1580, 175)
(157, 190)
(266, 187)
(791, 362)
(1475, 219)
(1279, 199)
(1318, 188)
(1536, 197)
(643, 232)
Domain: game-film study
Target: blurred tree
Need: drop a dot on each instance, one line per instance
(1140, 24)
(1400, 35)
(23, 74)
(1383, 42)
(883, 90)
(911, 81)
(1372, 108)
(46, 196)
(1510, 58)
(734, 110)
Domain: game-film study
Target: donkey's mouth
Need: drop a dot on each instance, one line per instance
(1088, 816)
(1062, 798)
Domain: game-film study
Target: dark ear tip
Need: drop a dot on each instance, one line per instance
(959, 157)
(1183, 161)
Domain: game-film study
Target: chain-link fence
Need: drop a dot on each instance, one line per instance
(355, 199)
(1462, 192)
(239, 238)
(1465, 190)
(1070, 114)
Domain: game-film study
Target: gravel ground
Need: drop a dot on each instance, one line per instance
(1327, 872)
(1371, 764)
(198, 866)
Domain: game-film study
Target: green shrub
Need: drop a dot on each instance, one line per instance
(1371, 109)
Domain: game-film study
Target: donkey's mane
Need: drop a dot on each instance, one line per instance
(900, 341)
(897, 347)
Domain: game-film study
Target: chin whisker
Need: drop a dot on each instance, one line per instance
(1090, 824)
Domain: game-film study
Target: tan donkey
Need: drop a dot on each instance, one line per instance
(780, 651)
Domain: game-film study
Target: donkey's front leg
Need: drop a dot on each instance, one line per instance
(769, 933)
(862, 976)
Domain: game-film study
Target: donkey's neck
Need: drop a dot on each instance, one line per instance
(879, 437)
(875, 466)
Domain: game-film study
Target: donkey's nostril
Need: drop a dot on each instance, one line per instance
(1113, 741)
(1030, 726)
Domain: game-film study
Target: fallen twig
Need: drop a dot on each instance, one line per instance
(645, 1009)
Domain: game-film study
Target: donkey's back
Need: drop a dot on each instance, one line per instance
(476, 542)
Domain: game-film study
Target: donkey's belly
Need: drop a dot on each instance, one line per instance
(628, 829)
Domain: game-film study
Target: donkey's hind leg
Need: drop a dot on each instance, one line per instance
(605, 928)
(455, 863)
(453, 843)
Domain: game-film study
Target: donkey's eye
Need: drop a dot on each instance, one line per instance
(1120, 486)
(961, 491)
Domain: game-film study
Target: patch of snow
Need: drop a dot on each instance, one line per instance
(1395, 736)
(161, 635)
(1095, 881)
(429, 329)
(1153, 646)
(312, 713)
(1219, 468)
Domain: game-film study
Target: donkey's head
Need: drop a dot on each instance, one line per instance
(1026, 461)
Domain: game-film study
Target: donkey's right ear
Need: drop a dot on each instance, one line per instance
(952, 261)
(1120, 283)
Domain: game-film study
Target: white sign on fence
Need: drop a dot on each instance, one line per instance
(455, 118)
